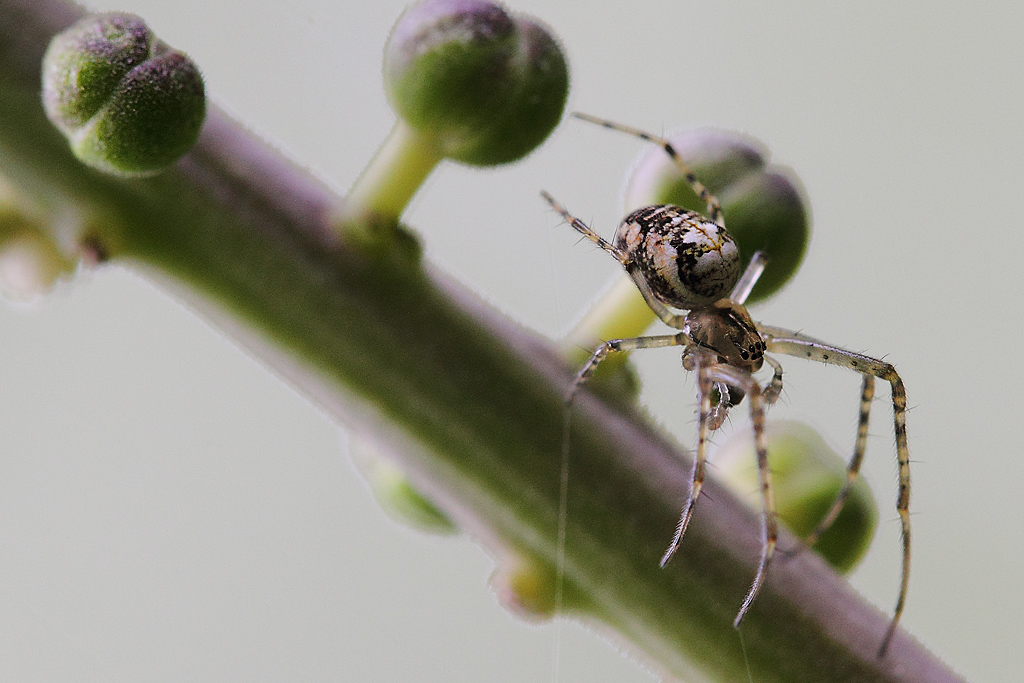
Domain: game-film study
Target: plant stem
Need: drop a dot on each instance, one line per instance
(388, 183)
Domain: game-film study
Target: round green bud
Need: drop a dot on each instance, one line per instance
(483, 86)
(128, 103)
(31, 263)
(765, 212)
(31, 266)
(806, 476)
(527, 587)
(763, 205)
(395, 492)
(405, 503)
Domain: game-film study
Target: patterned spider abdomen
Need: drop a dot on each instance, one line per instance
(687, 260)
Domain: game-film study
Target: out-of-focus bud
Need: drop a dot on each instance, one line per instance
(30, 261)
(30, 266)
(806, 476)
(485, 87)
(128, 103)
(393, 490)
(526, 587)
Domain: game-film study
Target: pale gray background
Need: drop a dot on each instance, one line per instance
(169, 511)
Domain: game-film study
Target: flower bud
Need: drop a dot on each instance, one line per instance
(763, 205)
(128, 103)
(31, 264)
(806, 476)
(526, 587)
(483, 86)
(394, 492)
(764, 211)
(718, 158)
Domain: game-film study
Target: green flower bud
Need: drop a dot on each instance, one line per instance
(128, 103)
(395, 493)
(806, 476)
(763, 205)
(718, 158)
(526, 587)
(765, 212)
(31, 264)
(482, 86)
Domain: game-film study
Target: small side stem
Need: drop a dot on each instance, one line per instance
(387, 185)
(620, 313)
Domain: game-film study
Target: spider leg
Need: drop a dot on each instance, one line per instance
(702, 364)
(661, 310)
(667, 316)
(773, 389)
(769, 392)
(714, 208)
(769, 523)
(772, 332)
(584, 230)
(867, 394)
(741, 290)
(631, 344)
(793, 344)
(720, 410)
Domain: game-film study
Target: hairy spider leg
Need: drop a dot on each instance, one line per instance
(867, 395)
(662, 311)
(795, 344)
(773, 389)
(769, 523)
(613, 345)
(585, 230)
(759, 401)
(714, 208)
(708, 372)
(770, 392)
(701, 363)
(719, 411)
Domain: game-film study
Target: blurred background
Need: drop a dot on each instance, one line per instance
(171, 511)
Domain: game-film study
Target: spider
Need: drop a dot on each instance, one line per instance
(679, 259)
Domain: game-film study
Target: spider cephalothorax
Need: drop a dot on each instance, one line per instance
(680, 259)
(726, 329)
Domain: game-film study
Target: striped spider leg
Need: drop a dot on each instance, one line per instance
(681, 260)
(790, 343)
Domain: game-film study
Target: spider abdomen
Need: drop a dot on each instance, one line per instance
(687, 260)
